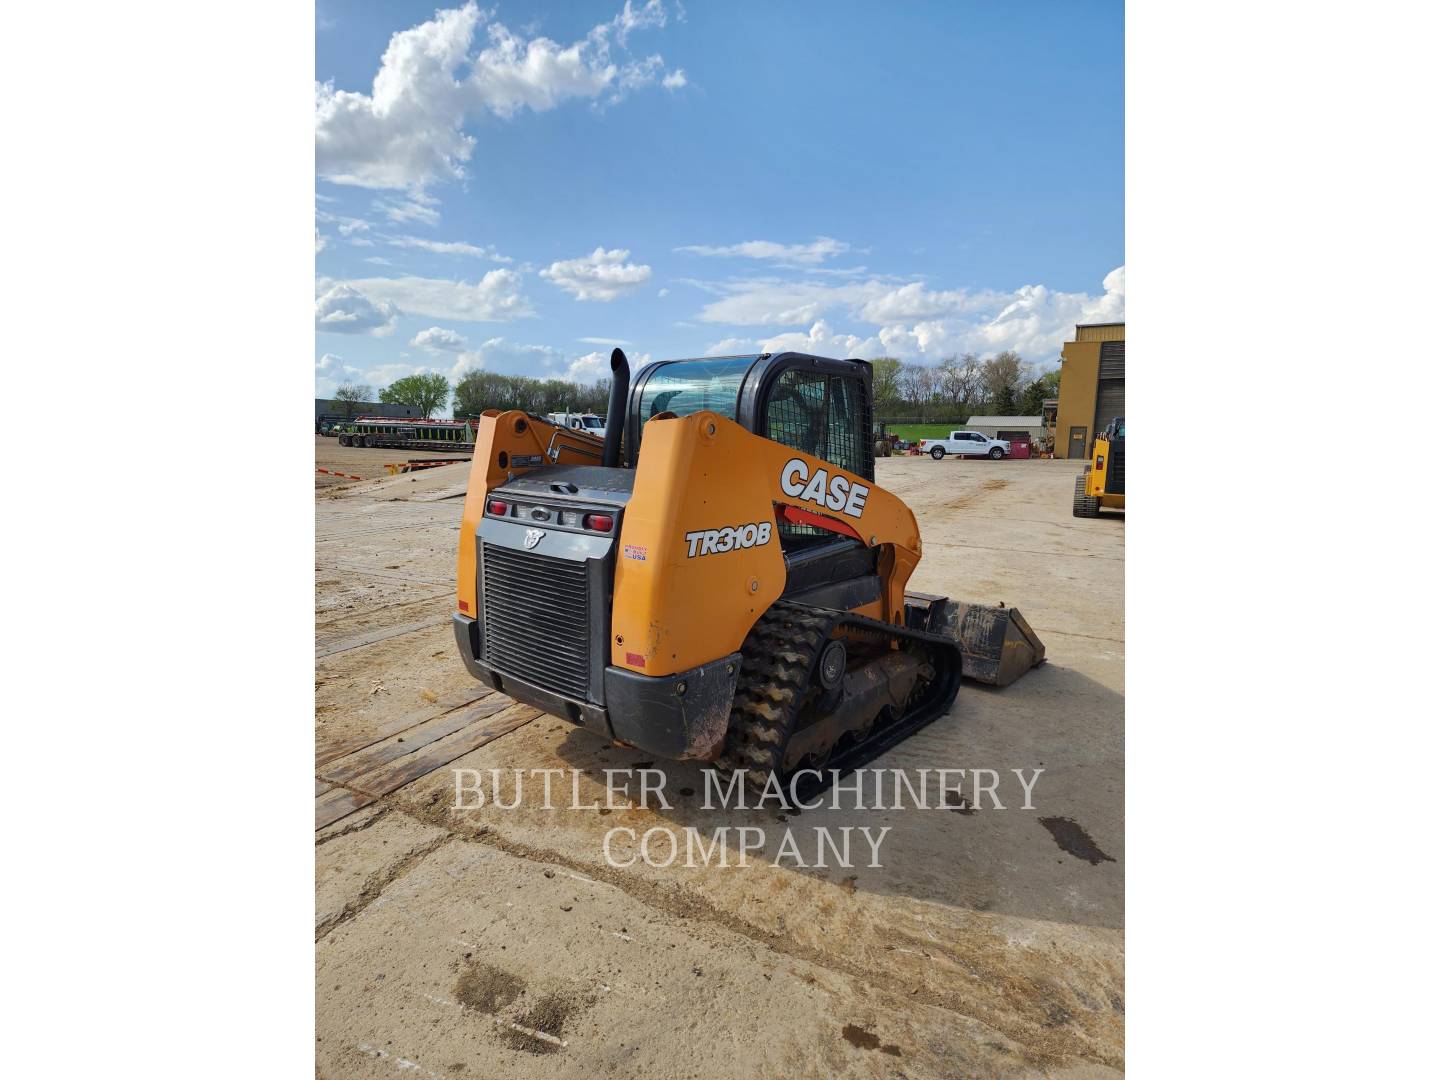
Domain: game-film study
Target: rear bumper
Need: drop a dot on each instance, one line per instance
(678, 717)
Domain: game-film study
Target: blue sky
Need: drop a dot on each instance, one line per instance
(520, 187)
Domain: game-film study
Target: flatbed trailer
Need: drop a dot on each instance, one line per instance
(390, 433)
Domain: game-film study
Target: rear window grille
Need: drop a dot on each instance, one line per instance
(824, 415)
(1115, 470)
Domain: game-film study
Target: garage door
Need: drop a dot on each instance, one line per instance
(1110, 394)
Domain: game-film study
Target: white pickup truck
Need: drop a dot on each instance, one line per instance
(966, 444)
(587, 422)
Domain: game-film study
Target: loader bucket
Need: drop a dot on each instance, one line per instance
(997, 645)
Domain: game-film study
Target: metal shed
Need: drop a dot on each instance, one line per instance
(1007, 427)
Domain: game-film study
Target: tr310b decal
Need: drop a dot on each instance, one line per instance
(730, 538)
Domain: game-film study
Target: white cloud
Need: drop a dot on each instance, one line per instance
(819, 340)
(663, 293)
(331, 371)
(513, 74)
(601, 275)
(512, 357)
(449, 247)
(771, 302)
(494, 298)
(731, 346)
(588, 368)
(320, 241)
(650, 15)
(345, 226)
(408, 209)
(378, 260)
(612, 342)
(1033, 320)
(330, 364)
(674, 80)
(342, 309)
(408, 132)
(596, 365)
(438, 338)
(914, 301)
(811, 254)
(914, 322)
(639, 73)
(384, 374)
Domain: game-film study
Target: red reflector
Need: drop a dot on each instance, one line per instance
(464, 605)
(498, 507)
(634, 659)
(599, 522)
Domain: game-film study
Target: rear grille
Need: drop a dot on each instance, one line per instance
(1115, 471)
(537, 624)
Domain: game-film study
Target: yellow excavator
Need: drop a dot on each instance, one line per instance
(719, 579)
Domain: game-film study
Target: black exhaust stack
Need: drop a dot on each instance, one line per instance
(615, 414)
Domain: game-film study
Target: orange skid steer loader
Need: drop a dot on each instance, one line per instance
(720, 579)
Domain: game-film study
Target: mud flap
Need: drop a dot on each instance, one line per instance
(997, 645)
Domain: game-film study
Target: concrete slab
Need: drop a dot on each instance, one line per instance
(989, 943)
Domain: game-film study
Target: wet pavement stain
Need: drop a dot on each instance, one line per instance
(1072, 839)
(958, 804)
(487, 989)
(862, 1039)
(547, 1016)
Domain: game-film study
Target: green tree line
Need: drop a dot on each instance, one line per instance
(478, 391)
(960, 386)
(955, 388)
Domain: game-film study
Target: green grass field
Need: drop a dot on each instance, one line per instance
(916, 432)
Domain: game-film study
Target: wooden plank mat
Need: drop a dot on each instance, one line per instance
(335, 804)
(359, 641)
(403, 770)
(412, 739)
(320, 788)
(484, 724)
(327, 750)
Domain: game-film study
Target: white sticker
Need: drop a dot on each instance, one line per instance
(825, 491)
(730, 538)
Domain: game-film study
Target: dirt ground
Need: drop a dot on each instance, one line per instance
(366, 464)
(493, 942)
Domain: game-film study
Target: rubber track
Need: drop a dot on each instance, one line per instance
(1086, 506)
(776, 660)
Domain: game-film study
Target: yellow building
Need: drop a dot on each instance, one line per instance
(1092, 386)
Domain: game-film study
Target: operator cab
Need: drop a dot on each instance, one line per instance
(815, 404)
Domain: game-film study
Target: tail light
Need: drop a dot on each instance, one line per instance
(599, 522)
(497, 507)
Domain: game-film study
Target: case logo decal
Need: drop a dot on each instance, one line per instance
(825, 491)
(719, 541)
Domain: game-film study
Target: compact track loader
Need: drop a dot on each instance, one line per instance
(720, 579)
(1103, 481)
